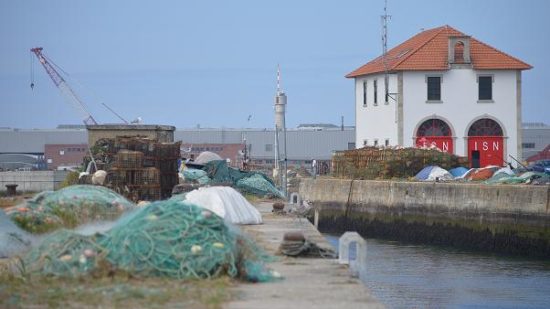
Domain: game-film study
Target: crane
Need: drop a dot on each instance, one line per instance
(65, 89)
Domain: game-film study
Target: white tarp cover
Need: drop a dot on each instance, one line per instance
(439, 173)
(207, 156)
(506, 170)
(227, 203)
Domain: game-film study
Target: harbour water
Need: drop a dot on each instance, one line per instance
(412, 276)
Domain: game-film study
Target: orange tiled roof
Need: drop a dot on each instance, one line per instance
(427, 51)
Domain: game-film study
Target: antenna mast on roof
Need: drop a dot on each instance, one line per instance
(384, 18)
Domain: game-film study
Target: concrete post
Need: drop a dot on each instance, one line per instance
(343, 248)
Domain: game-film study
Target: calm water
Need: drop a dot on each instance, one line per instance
(411, 276)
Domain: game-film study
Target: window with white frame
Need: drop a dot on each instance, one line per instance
(365, 93)
(375, 86)
(485, 87)
(434, 88)
(386, 89)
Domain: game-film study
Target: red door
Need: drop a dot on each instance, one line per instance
(435, 132)
(489, 150)
(444, 143)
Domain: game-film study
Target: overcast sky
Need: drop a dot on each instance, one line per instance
(213, 63)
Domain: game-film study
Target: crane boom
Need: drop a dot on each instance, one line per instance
(60, 83)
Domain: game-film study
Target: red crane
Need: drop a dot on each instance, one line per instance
(60, 83)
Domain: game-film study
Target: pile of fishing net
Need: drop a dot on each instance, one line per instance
(527, 177)
(164, 239)
(259, 184)
(69, 207)
(13, 240)
(196, 175)
(217, 172)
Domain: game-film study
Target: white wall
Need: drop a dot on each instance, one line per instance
(375, 122)
(460, 107)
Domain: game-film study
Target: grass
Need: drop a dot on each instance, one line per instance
(118, 291)
(9, 201)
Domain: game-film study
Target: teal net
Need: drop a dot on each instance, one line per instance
(259, 185)
(165, 239)
(527, 177)
(250, 182)
(69, 207)
(197, 175)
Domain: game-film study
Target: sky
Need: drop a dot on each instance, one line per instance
(213, 63)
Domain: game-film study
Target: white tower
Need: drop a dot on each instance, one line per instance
(280, 134)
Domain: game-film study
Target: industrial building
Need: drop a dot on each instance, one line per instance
(536, 137)
(303, 145)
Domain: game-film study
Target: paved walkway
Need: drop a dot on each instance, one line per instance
(309, 282)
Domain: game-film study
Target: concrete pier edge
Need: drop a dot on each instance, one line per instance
(512, 219)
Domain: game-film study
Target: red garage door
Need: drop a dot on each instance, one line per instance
(435, 132)
(485, 143)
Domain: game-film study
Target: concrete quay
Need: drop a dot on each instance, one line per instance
(509, 219)
(308, 282)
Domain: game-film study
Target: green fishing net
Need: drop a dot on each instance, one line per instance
(69, 207)
(197, 175)
(168, 239)
(259, 185)
(526, 177)
(251, 182)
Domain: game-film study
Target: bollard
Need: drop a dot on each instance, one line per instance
(11, 190)
(344, 244)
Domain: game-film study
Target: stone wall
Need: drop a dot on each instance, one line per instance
(33, 181)
(438, 197)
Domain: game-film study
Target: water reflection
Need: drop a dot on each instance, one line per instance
(411, 276)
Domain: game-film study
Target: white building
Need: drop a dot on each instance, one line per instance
(444, 88)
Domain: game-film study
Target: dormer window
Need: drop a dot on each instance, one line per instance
(459, 51)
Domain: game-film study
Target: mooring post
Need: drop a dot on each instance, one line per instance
(343, 248)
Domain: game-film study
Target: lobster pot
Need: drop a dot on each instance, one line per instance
(141, 144)
(168, 166)
(150, 176)
(148, 193)
(167, 183)
(129, 159)
(388, 163)
(123, 176)
(168, 151)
